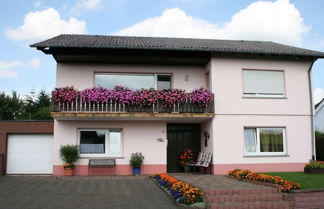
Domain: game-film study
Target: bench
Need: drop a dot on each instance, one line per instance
(203, 160)
(102, 167)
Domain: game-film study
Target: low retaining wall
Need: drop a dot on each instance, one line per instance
(308, 198)
(2, 170)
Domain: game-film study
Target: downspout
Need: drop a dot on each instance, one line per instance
(312, 107)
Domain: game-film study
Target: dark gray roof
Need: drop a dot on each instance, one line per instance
(176, 44)
(318, 104)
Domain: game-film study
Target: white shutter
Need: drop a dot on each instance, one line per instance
(115, 147)
(263, 82)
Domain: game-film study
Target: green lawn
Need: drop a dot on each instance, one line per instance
(307, 181)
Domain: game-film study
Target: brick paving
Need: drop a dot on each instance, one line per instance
(212, 182)
(98, 192)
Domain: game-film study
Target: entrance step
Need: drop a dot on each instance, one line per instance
(252, 205)
(101, 171)
(259, 198)
(244, 198)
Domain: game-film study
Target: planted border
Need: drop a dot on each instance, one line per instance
(285, 185)
(181, 192)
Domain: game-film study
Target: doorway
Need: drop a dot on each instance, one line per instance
(181, 136)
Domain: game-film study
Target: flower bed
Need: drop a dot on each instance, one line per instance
(122, 95)
(285, 185)
(182, 192)
(314, 167)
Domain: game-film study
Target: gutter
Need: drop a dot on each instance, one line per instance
(312, 107)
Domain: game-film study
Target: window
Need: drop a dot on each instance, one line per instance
(133, 81)
(264, 141)
(163, 81)
(100, 142)
(263, 83)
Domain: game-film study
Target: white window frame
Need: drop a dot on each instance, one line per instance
(107, 138)
(155, 75)
(262, 95)
(258, 152)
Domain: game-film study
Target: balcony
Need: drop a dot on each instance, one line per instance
(81, 106)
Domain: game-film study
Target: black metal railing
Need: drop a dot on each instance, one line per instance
(115, 107)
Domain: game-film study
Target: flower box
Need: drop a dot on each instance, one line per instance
(313, 170)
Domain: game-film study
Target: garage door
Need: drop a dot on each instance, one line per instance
(30, 154)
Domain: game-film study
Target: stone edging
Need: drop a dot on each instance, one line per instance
(256, 182)
(176, 202)
(307, 190)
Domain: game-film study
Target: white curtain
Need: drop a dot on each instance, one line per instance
(250, 140)
(92, 148)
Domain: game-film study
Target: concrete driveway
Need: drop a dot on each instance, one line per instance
(47, 192)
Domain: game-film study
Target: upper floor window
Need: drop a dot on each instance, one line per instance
(263, 83)
(264, 141)
(133, 81)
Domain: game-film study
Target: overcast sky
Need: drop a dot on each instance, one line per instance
(293, 22)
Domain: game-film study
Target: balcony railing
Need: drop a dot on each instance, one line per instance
(115, 107)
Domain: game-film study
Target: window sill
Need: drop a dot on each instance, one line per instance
(283, 155)
(100, 157)
(262, 97)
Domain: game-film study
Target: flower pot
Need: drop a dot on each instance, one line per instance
(187, 168)
(313, 170)
(137, 171)
(68, 171)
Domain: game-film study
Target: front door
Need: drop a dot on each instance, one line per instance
(181, 136)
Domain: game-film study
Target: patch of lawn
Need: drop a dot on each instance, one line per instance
(307, 181)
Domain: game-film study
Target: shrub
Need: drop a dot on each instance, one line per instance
(65, 94)
(286, 186)
(315, 164)
(69, 154)
(186, 157)
(179, 190)
(201, 97)
(136, 160)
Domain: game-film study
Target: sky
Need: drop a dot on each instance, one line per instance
(292, 22)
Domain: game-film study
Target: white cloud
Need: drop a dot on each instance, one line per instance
(318, 95)
(37, 3)
(278, 21)
(34, 63)
(6, 67)
(87, 5)
(45, 24)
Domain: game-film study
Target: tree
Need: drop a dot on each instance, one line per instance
(10, 106)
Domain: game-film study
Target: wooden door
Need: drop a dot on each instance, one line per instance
(181, 136)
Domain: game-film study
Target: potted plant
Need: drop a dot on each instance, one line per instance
(314, 167)
(136, 161)
(69, 154)
(186, 158)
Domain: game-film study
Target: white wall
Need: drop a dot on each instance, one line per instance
(81, 76)
(137, 137)
(319, 119)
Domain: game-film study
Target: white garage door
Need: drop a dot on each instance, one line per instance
(30, 154)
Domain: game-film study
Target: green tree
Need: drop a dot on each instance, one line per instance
(10, 106)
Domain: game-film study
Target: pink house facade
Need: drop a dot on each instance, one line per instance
(261, 117)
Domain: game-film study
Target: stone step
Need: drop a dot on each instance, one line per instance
(308, 198)
(317, 204)
(241, 191)
(244, 198)
(252, 205)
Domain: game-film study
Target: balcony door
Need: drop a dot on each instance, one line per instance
(181, 136)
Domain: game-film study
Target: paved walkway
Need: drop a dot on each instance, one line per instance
(211, 182)
(47, 192)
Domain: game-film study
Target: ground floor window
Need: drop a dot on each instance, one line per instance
(264, 141)
(100, 142)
